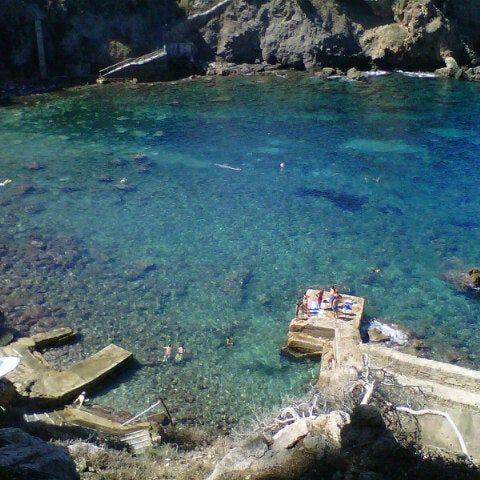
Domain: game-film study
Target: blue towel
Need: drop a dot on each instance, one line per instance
(313, 307)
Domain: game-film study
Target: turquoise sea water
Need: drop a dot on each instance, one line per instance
(384, 174)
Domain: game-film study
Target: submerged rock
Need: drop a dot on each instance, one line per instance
(118, 162)
(105, 179)
(143, 169)
(24, 189)
(139, 158)
(34, 209)
(69, 189)
(139, 270)
(469, 280)
(343, 200)
(35, 166)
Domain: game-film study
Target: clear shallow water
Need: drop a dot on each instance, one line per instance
(384, 174)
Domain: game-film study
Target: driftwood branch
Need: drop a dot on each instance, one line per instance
(444, 415)
(369, 388)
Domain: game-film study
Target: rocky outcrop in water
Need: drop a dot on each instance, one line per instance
(469, 280)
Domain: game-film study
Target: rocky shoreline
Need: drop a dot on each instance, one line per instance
(10, 90)
(389, 35)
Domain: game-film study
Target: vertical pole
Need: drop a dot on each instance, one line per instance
(41, 48)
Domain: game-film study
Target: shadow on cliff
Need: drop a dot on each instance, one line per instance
(369, 451)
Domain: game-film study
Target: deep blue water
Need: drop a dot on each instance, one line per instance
(384, 174)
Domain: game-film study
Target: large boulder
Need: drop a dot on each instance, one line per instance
(286, 455)
(357, 75)
(23, 457)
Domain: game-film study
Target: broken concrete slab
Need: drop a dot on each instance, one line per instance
(35, 379)
(65, 385)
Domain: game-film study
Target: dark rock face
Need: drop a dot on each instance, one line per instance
(23, 457)
(416, 34)
(409, 34)
(139, 270)
(83, 36)
(291, 33)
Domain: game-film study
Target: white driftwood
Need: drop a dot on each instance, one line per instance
(368, 393)
(444, 415)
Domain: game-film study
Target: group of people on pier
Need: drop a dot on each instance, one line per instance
(321, 302)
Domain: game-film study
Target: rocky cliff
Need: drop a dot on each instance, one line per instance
(411, 34)
(82, 36)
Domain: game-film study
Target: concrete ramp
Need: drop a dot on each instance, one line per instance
(93, 420)
(35, 379)
(68, 383)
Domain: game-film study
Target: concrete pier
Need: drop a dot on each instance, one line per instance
(34, 379)
(313, 331)
(445, 387)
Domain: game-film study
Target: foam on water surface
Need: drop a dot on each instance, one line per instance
(367, 183)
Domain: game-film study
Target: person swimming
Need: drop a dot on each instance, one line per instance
(229, 342)
(180, 353)
(167, 352)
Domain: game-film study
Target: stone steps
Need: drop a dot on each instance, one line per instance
(136, 436)
(138, 440)
(304, 343)
(52, 418)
